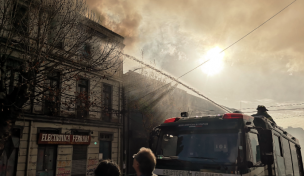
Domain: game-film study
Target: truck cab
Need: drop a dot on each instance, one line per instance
(224, 145)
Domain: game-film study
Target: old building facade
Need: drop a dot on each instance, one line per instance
(65, 136)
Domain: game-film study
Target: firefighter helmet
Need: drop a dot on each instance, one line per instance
(262, 108)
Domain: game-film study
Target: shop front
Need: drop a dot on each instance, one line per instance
(50, 149)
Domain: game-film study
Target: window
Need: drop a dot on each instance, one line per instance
(56, 41)
(51, 35)
(278, 148)
(220, 146)
(20, 22)
(255, 147)
(168, 141)
(13, 76)
(300, 160)
(287, 157)
(52, 98)
(279, 156)
(105, 145)
(86, 50)
(79, 158)
(46, 158)
(107, 102)
(82, 98)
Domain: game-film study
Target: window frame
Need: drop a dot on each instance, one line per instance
(280, 144)
(279, 157)
(10, 86)
(16, 10)
(106, 109)
(105, 133)
(88, 92)
(294, 158)
(285, 153)
(250, 148)
(86, 50)
(59, 87)
(52, 35)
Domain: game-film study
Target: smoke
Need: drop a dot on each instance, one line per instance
(185, 30)
(120, 17)
(175, 34)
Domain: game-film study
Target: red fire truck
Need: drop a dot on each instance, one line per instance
(224, 145)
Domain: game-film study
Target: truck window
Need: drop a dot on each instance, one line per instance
(200, 147)
(279, 155)
(169, 144)
(254, 147)
(300, 160)
(287, 157)
(294, 159)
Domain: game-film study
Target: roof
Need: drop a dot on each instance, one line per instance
(268, 124)
(104, 28)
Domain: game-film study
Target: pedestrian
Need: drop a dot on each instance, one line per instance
(107, 168)
(262, 112)
(144, 162)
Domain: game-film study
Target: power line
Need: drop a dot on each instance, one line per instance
(240, 38)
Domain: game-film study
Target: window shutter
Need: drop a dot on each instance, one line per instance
(79, 158)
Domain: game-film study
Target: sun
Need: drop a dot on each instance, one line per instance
(215, 64)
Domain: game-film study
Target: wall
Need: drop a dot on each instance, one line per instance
(96, 96)
(64, 152)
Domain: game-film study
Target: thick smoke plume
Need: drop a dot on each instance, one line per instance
(186, 29)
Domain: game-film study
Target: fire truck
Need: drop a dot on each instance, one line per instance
(224, 145)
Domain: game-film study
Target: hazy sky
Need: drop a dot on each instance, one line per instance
(266, 67)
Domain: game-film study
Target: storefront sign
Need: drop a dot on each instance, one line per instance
(67, 139)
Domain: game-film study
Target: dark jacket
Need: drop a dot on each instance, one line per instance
(265, 114)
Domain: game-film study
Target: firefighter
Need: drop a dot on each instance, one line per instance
(262, 112)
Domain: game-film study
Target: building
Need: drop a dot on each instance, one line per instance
(150, 100)
(55, 135)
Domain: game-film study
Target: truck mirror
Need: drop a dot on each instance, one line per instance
(266, 146)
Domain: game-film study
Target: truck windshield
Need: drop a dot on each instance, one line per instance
(199, 147)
